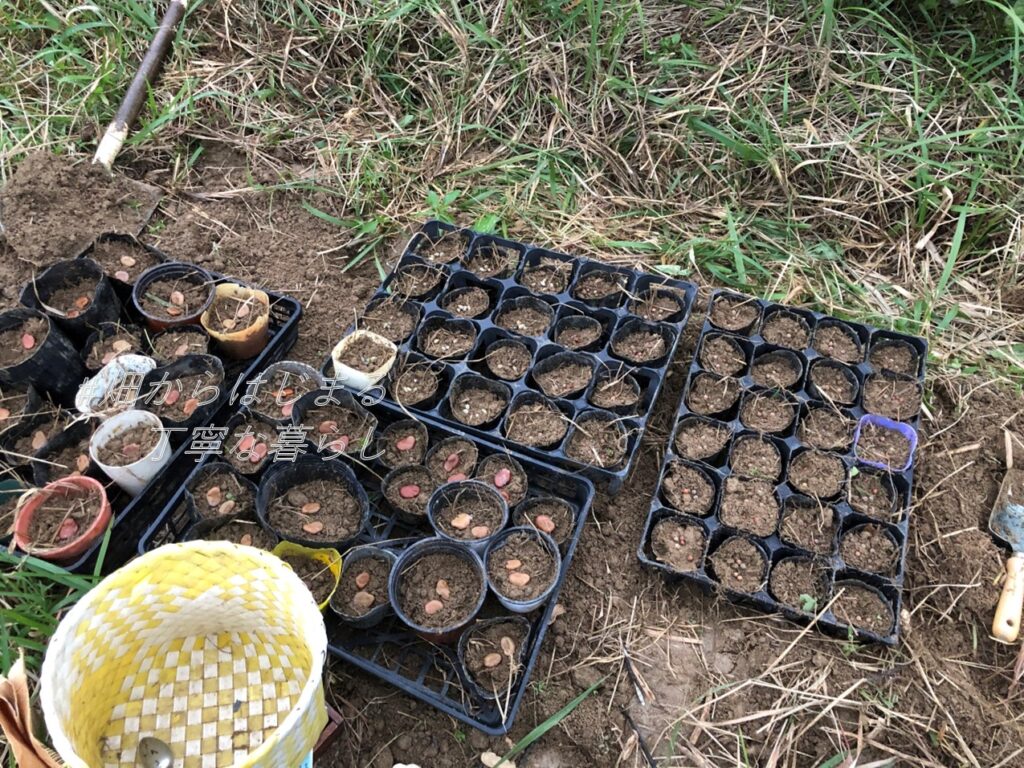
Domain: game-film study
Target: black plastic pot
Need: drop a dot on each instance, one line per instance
(519, 655)
(43, 473)
(55, 366)
(172, 270)
(104, 306)
(281, 477)
(193, 330)
(220, 468)
(189, 365)
(103, 332)
(376, 614)
(340, 399)
(18, 423)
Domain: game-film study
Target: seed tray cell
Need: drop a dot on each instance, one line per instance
(390, 650)
(871, 502)
(132, 516)
(564, 294)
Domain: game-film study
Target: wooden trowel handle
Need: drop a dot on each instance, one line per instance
(1006, 624)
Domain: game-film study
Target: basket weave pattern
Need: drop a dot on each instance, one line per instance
(213, 648)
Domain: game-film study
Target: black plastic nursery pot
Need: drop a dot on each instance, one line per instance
(49, 463)
(127, 338)
(51, 363)
(361, 600)
(538, 305)
(18, 404)
(828, 518)
(76, 294)
(186, 392)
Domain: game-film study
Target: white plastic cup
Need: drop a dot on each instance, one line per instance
(360, 380)
(109, 377)
(132, 478)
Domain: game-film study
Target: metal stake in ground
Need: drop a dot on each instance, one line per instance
(117, 131)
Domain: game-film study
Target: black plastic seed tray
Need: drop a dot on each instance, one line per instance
(133, 516)
(390, 650)
(554, 294)
(812, 543)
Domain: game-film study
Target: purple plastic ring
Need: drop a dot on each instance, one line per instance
(905, 430)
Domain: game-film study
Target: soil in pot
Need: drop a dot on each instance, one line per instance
(869, 548)
(124, 341)
(699, 439)
(448, 340)
(536, 423)
(129, 446)
(750, 505)
(492, 260)
(176, 400)
(439, 590)
(73, 296)
(756, 457)
(415, 280)
(525, 320)
(767, 412)
(13, 403)
(784, 329)
(710, 394)
(404, 442)
(363, 586)
(507, 475)
(640, 346)
(739, 565)
(862, 608)
(896, 356)
(775, 370)
(569, 378)
(247, 446)
(620, 391)
(54, 422)
(413, 384)
(826, 428)
(467, 302)
(678, 545)
(817, 474)
(60, 521)
(688, 489)
(365, 354)
(722, 355)
(809, 525)
(248, 533)
(885, 446)
(444, 250)
(578, 336)
(833, 384)
(547, 276)
(598, 442)
(275, 395)
(220, 493)
(170, 345)
(799, 583)
(474, 406)
(732, 313)
(19, 343)
(548, 515)
(598, 286)
(839, 342)
(231, 314)
(898, 399)
(122, 260)
(316, 510)
(508, 361)
(338, 429)
(469, 515)
(522, 568)
(872, 494)
(493, 655)
(169, 298)
(409, 490)
(656, 304)
(452, 459)
(70, 461)
(388, 319)
(316, 575)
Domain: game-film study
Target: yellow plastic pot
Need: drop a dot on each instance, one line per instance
(329, 557)
(247, 342)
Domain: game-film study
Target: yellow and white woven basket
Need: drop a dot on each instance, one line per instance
(214, 648)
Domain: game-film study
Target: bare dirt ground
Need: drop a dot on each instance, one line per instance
(722, 686)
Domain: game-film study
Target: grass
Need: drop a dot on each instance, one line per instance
(863, 159)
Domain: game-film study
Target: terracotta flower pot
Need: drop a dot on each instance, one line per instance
(246, 342)
(69, 487)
